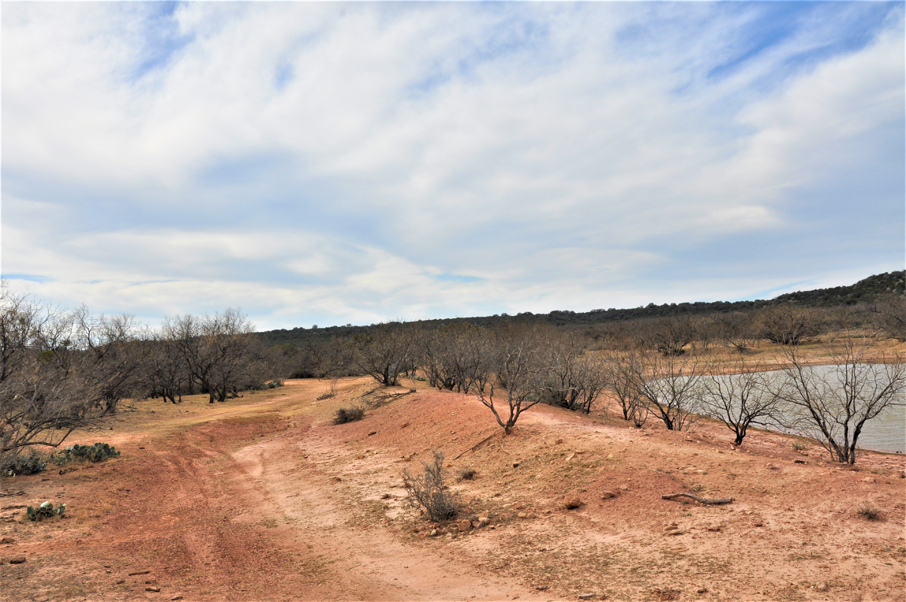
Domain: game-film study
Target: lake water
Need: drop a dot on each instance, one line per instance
(886, 432)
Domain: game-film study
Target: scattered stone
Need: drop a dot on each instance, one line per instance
(822, 587)
(404, 425)
(606, 495)
(433, 532)
(624, 488)
(571, 502)
(360, 457)
(586, 596)
(152, 588)
(4, 540)
(139, 573)
(798, 461)
(386, 496)
(177, 597)
(372, 433)
(702, 590)
(484, 520)
(542, 588)
(516, 464)
(17, 560)
(522, 515)
(121, 581)
(465, 525)
(714, 529)
(336, 479)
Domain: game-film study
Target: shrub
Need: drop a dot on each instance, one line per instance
(99, 452)
(800, 446)
(45, 510)
(273, 384)
(352, 414)
(428, 494)
(869, 513)
(466, 474)
(23, 465)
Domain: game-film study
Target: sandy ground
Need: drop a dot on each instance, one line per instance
(262, 498)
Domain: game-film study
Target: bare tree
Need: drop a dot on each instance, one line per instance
(47, 389)
(385, 352)
(572, 377)
(670, 385)
(217, 350)
(515, 369)
(116, 355)
(454, 357)
(789, 325)
(741, 399)
(623, 367)
(834, 402)
(889, 316)
(737, 330)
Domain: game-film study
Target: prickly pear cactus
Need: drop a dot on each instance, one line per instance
(45, 510)
(92, 453)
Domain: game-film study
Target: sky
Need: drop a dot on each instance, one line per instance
(352, 163)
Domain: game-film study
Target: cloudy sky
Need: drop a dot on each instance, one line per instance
(336, 163)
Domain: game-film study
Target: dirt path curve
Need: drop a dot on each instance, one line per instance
(294, 476)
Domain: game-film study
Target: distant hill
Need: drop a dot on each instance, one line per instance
(864, 291)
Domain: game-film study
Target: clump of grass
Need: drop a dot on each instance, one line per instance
(350, 414)
(427, 492)
(800, 446)
(466, 474)
(869, 513)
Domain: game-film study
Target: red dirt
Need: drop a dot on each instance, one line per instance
(262, 498)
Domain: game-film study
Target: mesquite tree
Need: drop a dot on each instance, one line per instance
(833, 403)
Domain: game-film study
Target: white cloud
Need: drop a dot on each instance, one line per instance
(336, 159)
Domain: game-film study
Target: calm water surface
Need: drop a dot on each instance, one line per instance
(886, 432)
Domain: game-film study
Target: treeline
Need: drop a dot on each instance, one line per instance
(61, 370)
(335, 352)
(874, 290)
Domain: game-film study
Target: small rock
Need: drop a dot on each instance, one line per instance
(4, 540)
(386, 496)
(360, 457)
(121, 581)
(516, 464)
(522, 515)
(484, 520)
(572, 502)
(702, 590)
(822, 587)
(433, 532)
(404, 425)
(606, 495)
(586, 596)
(17, 560)
(798, 461)
(541, 588)
(372, 433)
(465, 525)
(624, 488)
(177, 597)
(152, 588)
(714, 529)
